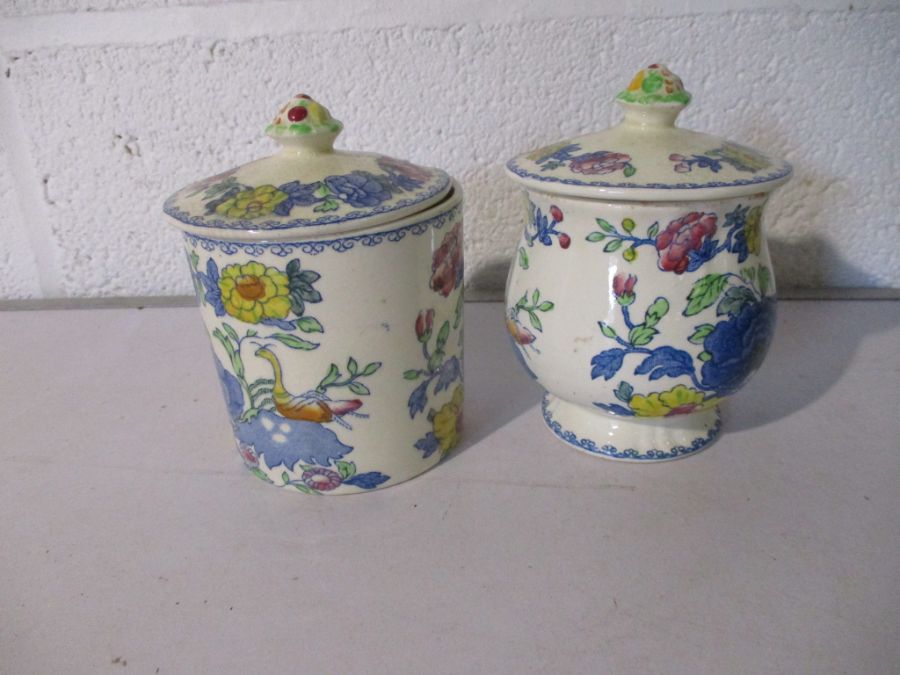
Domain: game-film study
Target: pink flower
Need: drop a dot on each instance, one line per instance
(682, 236)
(248, 453)
(321, 479)
(424, 324)
(447, 262)
(623, 288)
(600, 162)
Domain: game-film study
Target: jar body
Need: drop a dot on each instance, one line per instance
(638, 318)
(340, 358)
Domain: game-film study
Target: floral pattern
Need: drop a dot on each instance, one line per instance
(733, 348)
(358, 189)
(447, 263)
(687, 242)
(531, 305)
(736, 156)
(439, 374)
(284, 438)
(591, 163)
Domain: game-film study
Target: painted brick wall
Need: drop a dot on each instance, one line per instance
(103, 113)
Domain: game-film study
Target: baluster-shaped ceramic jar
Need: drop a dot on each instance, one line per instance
(331, 286)
(642, 294)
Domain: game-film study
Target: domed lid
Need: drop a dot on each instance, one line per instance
(646, 157)
(306, 188)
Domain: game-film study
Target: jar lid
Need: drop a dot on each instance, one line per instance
(646, 157)
(308, 186)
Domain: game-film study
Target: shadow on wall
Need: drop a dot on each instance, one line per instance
(809, 354)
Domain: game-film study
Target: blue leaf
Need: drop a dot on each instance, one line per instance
(450, 372)
(615, 408)
(285, 441)
(418, 398)
(607, 363)
(280, 323)
(705, 253)
(666, 362)
(427, 445)
(367, 481)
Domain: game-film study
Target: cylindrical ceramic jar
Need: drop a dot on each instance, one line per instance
(642, 293)
(331, 286)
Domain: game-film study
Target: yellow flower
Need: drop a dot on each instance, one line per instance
(679, 400)
(253, 203)
(448, 420)
(253, 292)
(751, 229)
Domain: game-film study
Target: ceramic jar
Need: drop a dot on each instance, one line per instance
(642, 293)
(331, 286)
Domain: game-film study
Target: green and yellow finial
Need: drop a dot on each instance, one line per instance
(655, 84)
(302, 116)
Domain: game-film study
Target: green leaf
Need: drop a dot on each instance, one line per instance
(535, 321)
(546, 306)
(294, 342)
(628, 225)
(292, 269)
(195, 259)
(624, 391)
(252, 333)
(331, 376)
(629, 170)
(297, 304)
(734, 300)
(641, 335)
(322, 191)
(523, 258)
(704, 293)
(700, 333)
(652, 231)
(535, 297)
(704, 356)
(443, 334)
(259, 473)
(305, 489)
(748, 274)
(765, 280)
(352, 366)
(655, 312)
(613, 245)
(371, 368)
(345, 469)
(327, 205)
(596, 236)
(359, 389)
(285, 477)
(605, 226)
(309, 324)
(435, 361)
(411, 375)
(630, 253)
(607, 330)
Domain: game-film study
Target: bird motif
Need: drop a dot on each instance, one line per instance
(311, 406)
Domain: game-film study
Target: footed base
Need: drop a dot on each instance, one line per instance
(631, 439)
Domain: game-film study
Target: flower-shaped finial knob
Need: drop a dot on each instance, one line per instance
(654, 97)
(304, 124)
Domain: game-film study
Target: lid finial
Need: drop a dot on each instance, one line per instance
(654, 85)
(305, 123)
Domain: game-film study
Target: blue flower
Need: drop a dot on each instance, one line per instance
(427, 445)
(299, 194)
(367, 481)
(210, 281)
(737, 346)
(359, 188)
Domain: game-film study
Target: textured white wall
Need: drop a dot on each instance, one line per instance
(104, 113)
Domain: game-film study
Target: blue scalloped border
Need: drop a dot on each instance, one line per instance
(170, 209)
(340, 245)
(630, 453)
(785, 170)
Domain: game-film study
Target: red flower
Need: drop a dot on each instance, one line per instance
(682, 236)
(248, 454)
(623, 285)
(599, 162)
(556, 213)
(447, 262)
(424, 324)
